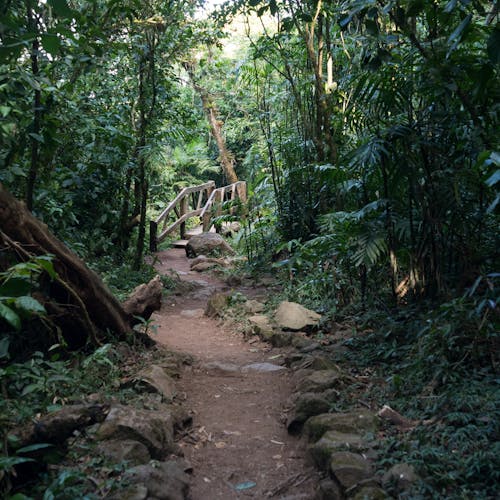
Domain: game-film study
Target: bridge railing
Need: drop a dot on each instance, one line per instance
(205, 201)
(219, 196)
(190, 202)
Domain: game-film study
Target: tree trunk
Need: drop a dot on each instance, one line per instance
(226, 158)
(86, 306)
(37, 104)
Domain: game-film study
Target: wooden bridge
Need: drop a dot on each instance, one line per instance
(204, 201)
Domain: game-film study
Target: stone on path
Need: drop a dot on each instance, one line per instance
(306, 406)
(260, 324)
(350, 468)
(402, 475)
(204, 266)
(118, 450)
(154, 429)
(253, 306)
(293, 316)
(329, 490)
(331, 442)
(155, 379)
(216, 305)
(209, 244)
(163, 480)
(371, 493)
(355, 422)
(192, 313)
(221, 368)
(262, 368)
(321, 380)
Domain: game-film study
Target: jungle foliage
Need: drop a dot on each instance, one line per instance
(368, 133)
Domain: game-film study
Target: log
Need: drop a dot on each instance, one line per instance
(144, 300)
(77, 290)
(58, 426)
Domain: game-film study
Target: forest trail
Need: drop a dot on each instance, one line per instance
(238, 444)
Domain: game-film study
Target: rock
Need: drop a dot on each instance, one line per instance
(125, 450)
(370, 493)
(59, 425)
(203, 259)
(403, 476)
(306, 405)
(292, 358)
(253, 306)
(261, 326)
(216, 305)
(233, 280)
(331, 442)
(350, 468)
(328, 490)
(281, 339)
(321, 380)
(301, 341)
(322, 362)
(231, 228)
(144, 300)
(262, 368)
(293, 316)
(155, 379)
(164, 480)
(355, 422)
(221, 368)
(192, 313)
(310, 346)
(204, 266)
(154, 429)
(209, 244)
(132, 492)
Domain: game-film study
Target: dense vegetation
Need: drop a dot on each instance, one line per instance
(368, 132)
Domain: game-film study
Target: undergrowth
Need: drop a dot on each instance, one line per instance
(438, 367)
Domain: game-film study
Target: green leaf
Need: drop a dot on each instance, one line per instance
(10, 316)
(273, 6)
(30, 305)
(4, 348)
(493, 179)
(29, 389)
(6, 463)
(61, 8)
(450, 6)
(34, 447)
(51, 44)
(37, 137)
(371, 26)
(15, 287)
(457, 34)
(5, 110)
(45, 262)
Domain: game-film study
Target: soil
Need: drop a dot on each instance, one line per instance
(238, 444)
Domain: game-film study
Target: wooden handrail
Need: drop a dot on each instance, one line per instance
(237, 190)
(184, 192)
(180, 205)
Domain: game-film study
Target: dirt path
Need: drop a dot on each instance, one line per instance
(238, 445)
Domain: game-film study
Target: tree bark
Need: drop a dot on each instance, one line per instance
(226, 158)
(37, 104)
(78, 292)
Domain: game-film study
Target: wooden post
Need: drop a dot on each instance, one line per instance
(184, 208)
(219, 200)
(242, 191)
(153, 229)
